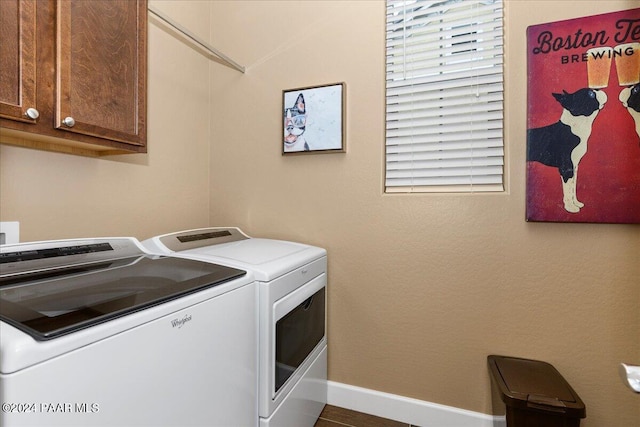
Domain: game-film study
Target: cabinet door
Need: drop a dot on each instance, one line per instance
(101, 68)
(18, 59)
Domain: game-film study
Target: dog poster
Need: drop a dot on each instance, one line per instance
(583, 119)
(313, 119)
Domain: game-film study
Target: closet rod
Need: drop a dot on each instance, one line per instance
(225, 59)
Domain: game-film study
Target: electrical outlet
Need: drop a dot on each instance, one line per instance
(9, 232)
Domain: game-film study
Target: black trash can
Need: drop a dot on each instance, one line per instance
(532, 393)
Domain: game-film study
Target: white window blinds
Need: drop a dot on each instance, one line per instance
(444, 96)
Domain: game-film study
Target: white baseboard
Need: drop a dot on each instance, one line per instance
(406, 410)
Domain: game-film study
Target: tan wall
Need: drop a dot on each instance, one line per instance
(422, 287)
(61, 196)
(414, 306)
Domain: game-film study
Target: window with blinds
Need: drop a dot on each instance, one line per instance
(444, 96)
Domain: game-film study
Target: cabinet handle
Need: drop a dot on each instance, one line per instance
(32, 113)
(68, 121)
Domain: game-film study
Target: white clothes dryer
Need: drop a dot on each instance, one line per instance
(292, 282)
(97, 332)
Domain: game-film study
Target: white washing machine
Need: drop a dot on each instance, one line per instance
(292, 284)
(96, 332)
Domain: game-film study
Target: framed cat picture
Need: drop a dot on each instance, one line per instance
(314, 119)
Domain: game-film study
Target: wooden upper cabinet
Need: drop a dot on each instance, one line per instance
(18, 55)
(100, 64)
(82, 64)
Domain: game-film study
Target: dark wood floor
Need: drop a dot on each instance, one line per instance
(332, 416)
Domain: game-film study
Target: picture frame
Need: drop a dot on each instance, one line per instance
(581, 117)
(314, 119)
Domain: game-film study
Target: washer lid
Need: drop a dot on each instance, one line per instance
(54, 302)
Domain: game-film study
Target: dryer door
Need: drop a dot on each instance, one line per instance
(297, 334)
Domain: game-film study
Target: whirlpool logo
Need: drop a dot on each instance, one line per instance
(179, 323)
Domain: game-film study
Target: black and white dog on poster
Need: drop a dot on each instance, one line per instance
(630, 98)
(563, 144)
(295, 121)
